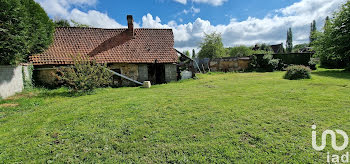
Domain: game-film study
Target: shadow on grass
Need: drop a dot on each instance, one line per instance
(62, 92)
(333, 73)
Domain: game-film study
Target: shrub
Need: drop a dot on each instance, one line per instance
(313, 62)
(84, 75)
(296, 72)
(265, 63)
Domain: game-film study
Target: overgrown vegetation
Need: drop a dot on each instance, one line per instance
(264, 63)
(28, 78)
(25, 29)
(84, 75)
(297, 72)
(218, 118)
(332, 45)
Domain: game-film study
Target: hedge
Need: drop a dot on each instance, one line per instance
(290, 58)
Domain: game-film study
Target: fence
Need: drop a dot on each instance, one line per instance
(12, 79)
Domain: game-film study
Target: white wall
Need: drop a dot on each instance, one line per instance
(11, 81)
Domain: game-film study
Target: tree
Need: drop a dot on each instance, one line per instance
(193, 53)
(40, 27)
(25, 29)
(61, 23)
(313, 29)
(14, 32)
(289, 42)
(187, 53)
(240, 51)
(332, 45)
(212, 46)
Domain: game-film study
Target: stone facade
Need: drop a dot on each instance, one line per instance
(129, 70)
(138, 72)
(170, 72)
(11, 80)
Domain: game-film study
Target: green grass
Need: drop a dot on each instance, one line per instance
(218, 118)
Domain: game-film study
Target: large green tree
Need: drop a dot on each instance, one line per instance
(212, 46)
(332, 45)
(25, 29)
(289, 42)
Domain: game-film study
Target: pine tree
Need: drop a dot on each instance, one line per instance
(313, 29)
(289, 42)
(193, 53)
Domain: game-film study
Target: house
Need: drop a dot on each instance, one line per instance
(278, 48)
(138, 53)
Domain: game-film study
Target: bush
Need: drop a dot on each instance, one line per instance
(313, 62)
(264, 63)
(298, 72)
(84, 75)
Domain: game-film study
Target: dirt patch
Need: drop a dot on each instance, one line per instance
(8, 105)
(22, 95)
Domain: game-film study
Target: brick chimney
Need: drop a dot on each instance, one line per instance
(130, 25)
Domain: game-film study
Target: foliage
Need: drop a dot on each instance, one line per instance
(297, 72)
(180, 120)
(289, 42)
(62, 23)
(212, 46)
(84, 75)
(14, 32)
(297, 47)
(187, 53)
(313, 30)
(25, 29)
(313, 62)
(28, 78)
(77, 24)
(240, 51)
(194, 54)
(264, 63)
(332, 45)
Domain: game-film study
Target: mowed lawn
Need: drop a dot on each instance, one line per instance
(222, 118)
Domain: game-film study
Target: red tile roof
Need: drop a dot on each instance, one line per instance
(109, 46)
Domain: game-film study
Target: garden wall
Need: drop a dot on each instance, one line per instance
(11, 80)
(229, 64)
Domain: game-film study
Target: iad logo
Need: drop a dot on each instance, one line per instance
(332, 158)
(333, 137)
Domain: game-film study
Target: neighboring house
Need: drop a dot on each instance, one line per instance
(278, 48)
(141, 54)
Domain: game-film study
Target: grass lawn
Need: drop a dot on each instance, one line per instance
(232, 117)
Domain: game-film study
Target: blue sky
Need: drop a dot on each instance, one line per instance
(240, 22)
(170, 10)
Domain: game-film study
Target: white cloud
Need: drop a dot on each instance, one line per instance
(66, 9)
(94, 18)
(270, 29)
(211, 2)
(181, 1)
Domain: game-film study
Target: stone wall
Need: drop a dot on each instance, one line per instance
(45, 77)
(170, 72)
(11, 80)
(229, 64)
(129, 70)
(143, 72)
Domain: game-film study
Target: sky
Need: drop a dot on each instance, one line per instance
(240, 22)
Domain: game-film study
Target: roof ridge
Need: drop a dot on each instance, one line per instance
(112, 28)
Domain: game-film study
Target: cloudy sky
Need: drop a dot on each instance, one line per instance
(240, 22)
